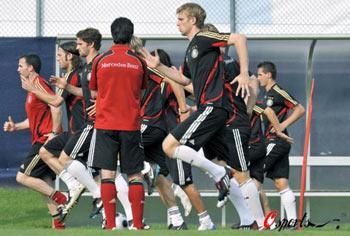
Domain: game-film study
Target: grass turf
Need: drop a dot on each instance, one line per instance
(23, 212)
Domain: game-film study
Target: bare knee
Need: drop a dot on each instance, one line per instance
(281, 184)
(64, 158)
(135, 177)
(241, 176)
(20, 177)
(44, 154)
(169, 145)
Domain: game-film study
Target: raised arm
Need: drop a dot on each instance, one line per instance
(240, 43)
(171, 73)
(62, 84)
(254, 92)
(52, 99)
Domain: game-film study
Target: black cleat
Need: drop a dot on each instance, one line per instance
(97, 206)
(62, 213)
(252, 226)
(224, 188)
(183, 226)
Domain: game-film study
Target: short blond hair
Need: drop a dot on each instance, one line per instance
(194, 10)
(136, 43)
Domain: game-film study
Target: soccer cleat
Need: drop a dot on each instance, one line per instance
(132, 227)
(144, 227)
(58, 225)
(253, 226)
(97, 206)
(74, 195)
(62, 213)
(148, 176)
(224, 188)
(183, 226)
(206, 226)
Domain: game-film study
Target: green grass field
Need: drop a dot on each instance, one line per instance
(23, 212)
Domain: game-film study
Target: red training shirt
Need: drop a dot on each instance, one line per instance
(38, 113)
(118, 76)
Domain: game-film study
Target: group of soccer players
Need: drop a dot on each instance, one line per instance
(128, 105)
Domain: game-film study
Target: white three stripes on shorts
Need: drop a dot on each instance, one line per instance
(81, 141)
(193, 127)
(239, 149)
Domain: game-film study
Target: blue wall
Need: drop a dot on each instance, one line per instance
(14, 146)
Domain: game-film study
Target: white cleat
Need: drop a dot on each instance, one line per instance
(74, 195)
(207, 226)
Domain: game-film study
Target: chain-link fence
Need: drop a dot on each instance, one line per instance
(157, 18)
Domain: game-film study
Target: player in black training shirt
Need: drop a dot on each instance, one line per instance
(276, 163)
(204, 66)
(76, 148)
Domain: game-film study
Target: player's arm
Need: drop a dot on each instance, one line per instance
(179, 93)
(290, 102)
(277, 128)
(10, 125)
(189, 88)
(52, 99)
(56, 113)
(298, 112)
(254, 92)
(171, 73)
(240, 43)
(63, 84)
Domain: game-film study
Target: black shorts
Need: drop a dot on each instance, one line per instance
(230, 146)
(152, 139)
(56, 145)
(33, 166)
(257, 153)
(180, 172)
(79, 143)
(276, 163)
(107, 144)
(201, 127)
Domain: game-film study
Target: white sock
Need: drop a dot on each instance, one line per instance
(178, 192)
(175, 216)
(251, 196)
(288, 201)
(204, 217)
(168, 217)
(194, 158)
(79, 171)
(237, 199)
(68, 179)
(123, 195)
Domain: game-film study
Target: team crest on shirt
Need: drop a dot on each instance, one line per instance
(269, 101)
(194, 52)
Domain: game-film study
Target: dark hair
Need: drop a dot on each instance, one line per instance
(71, 47)
(33, 60)
(91, 35)
(164, 57)
(122, 30)
(268, 66)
